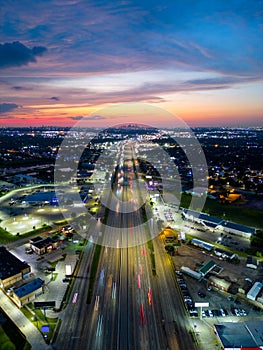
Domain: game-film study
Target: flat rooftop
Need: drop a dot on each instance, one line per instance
(43, 242)
(40, 197)
(10, 265)
(28, 288)
(237, 334)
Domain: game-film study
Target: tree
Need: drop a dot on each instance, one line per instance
(256, 241)
(170, 249)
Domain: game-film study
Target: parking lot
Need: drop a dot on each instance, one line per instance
(222, 305)
(19, 216)
(55, 284)
(227, 240)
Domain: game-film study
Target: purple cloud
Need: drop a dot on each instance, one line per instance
(96, 117)
(76, 118)
(7, 107)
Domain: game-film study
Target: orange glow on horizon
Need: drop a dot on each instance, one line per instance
(197, 113)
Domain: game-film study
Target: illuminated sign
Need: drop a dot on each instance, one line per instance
(201, 304)
(45, 329)
(68, 270)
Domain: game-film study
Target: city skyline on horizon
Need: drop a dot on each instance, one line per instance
(97, 127)
(62, 62)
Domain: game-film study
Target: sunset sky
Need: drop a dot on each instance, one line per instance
(64, 60)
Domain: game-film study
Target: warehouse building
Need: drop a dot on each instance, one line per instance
(210, 222)
(240, 335)
(237, 229)
(12, 269)
(202, 244)
(214, 223)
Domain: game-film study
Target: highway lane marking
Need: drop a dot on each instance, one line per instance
(113, 294)
(97, 301)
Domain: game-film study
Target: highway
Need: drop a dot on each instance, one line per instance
(131, 308)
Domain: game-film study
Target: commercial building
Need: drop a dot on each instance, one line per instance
(224, 254)
(27, 292)
(22, 179)
(42, 245)
(202, 244)
(12, 269)
(6, 186)
(41, 198)
(67, 230)
(237, 229)
(219, 283)
(240, 335)
(206, 220)
(214, 223)
(254, 291)
(207, 267)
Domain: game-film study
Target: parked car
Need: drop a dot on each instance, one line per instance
(201, 294)
(222, 312)
(180, 280)
(236, 311)
(208, 313)
(193, 312)
(249, 280)
(226, 312)
(183, 286)
(187, 298)
(242, 312)
(216, 313)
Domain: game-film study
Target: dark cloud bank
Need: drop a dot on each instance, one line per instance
(16, 54)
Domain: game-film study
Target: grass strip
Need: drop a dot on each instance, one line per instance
(93, 271)
(6, 237)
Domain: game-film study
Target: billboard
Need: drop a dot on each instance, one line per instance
(44, 304)
(202, 304)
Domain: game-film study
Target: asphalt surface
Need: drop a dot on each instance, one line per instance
(131, 308)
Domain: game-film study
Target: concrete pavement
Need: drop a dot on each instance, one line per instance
(55, 290)
(33, 336)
